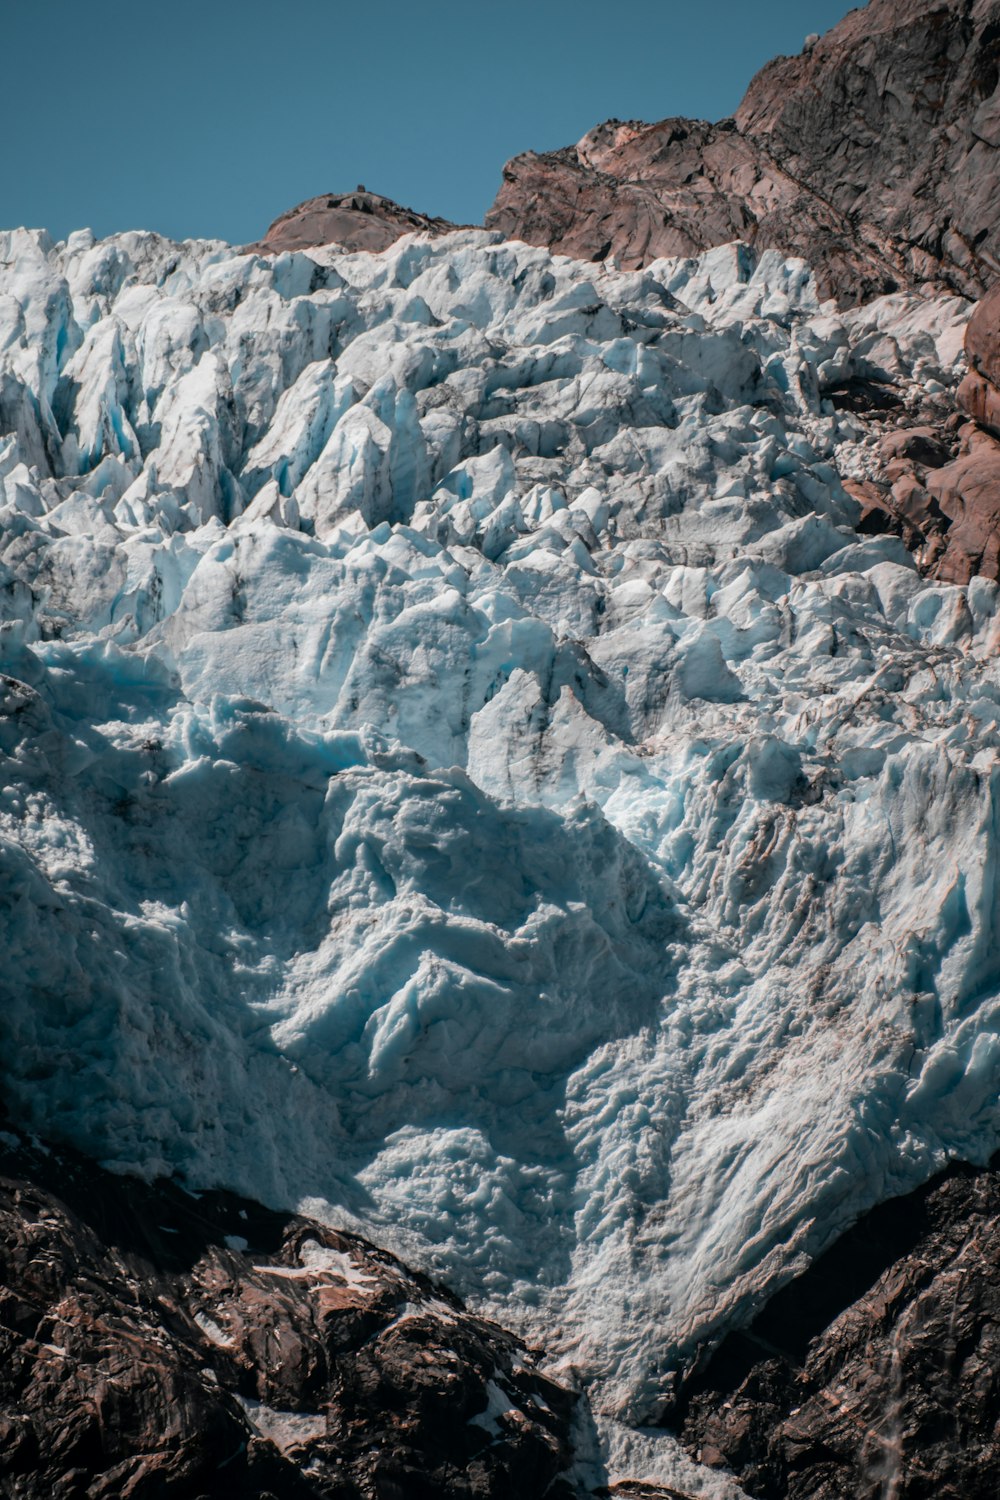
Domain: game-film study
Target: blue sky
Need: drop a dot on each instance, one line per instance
(210, 117)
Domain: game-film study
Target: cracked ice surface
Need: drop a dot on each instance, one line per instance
(462, 768)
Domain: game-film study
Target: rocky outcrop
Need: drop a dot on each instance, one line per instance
(637, 192)
(939, 488)
(967, 491)
(155, 1343)
(935, 481)
(878, 1371)
(354, 221)
(875, 154)
(894, 118)
(979, 392)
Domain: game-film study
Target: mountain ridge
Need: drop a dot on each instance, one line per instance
(874, 154)
(824, 158)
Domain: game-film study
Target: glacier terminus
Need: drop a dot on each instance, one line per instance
(467, 774)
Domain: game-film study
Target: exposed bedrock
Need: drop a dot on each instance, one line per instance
(968, 490)
(155, 1343)
(937, 485)
(877, 1372)
(979, 392)
(678, 187)
(873, 154)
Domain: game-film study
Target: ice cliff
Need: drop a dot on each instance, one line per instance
(463, 770)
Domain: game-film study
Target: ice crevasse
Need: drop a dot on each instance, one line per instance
(464, 770)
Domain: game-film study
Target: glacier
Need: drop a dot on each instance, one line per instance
(465, 773)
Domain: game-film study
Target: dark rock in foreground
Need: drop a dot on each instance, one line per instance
(154, 1343)
(877, 1372)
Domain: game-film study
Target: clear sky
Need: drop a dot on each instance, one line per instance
(210, 117)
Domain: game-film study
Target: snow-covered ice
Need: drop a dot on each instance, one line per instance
(463, 771)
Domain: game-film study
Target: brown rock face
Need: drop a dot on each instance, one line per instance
(937, 485)
(949, 512)
(679, 187)
(355, 221)
(158, 1344)
(979, 393)
(876, 1373)
(982, 339)
(981, 399)
(894, 117)
(968, 494)
(875, 155)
